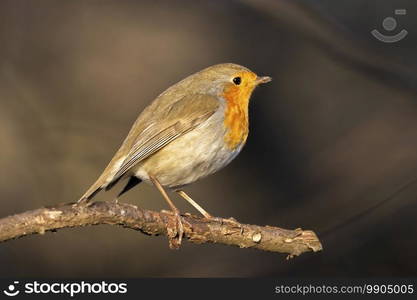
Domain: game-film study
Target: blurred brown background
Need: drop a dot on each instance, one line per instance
(332, 145)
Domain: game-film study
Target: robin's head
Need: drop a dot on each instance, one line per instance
(234, 84)
(230, 81)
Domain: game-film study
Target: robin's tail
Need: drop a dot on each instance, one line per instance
(98, 186)
(103, 183)
(105, 180)
(93, 190)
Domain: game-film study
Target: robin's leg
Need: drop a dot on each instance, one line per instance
(204, 212)
(175, 210)
(195, 204)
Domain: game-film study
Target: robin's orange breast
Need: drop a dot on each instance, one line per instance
(236, 118)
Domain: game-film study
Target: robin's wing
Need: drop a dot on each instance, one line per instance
(159, 124)
(180, 118)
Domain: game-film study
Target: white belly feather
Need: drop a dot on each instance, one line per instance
(198, 153)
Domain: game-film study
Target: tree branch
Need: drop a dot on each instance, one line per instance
(196, 230)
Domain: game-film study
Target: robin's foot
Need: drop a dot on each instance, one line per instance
(175, 230)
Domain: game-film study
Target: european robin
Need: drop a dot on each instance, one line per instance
(191, 130)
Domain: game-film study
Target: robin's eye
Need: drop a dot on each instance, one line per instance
(237, 80)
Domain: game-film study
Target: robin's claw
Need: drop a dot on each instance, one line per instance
(175, 231)
(180, 227)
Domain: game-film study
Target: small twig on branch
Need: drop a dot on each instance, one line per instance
(197, 230)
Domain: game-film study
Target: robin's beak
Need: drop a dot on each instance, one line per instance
(263, 79)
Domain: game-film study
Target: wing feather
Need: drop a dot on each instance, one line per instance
(183, 116)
